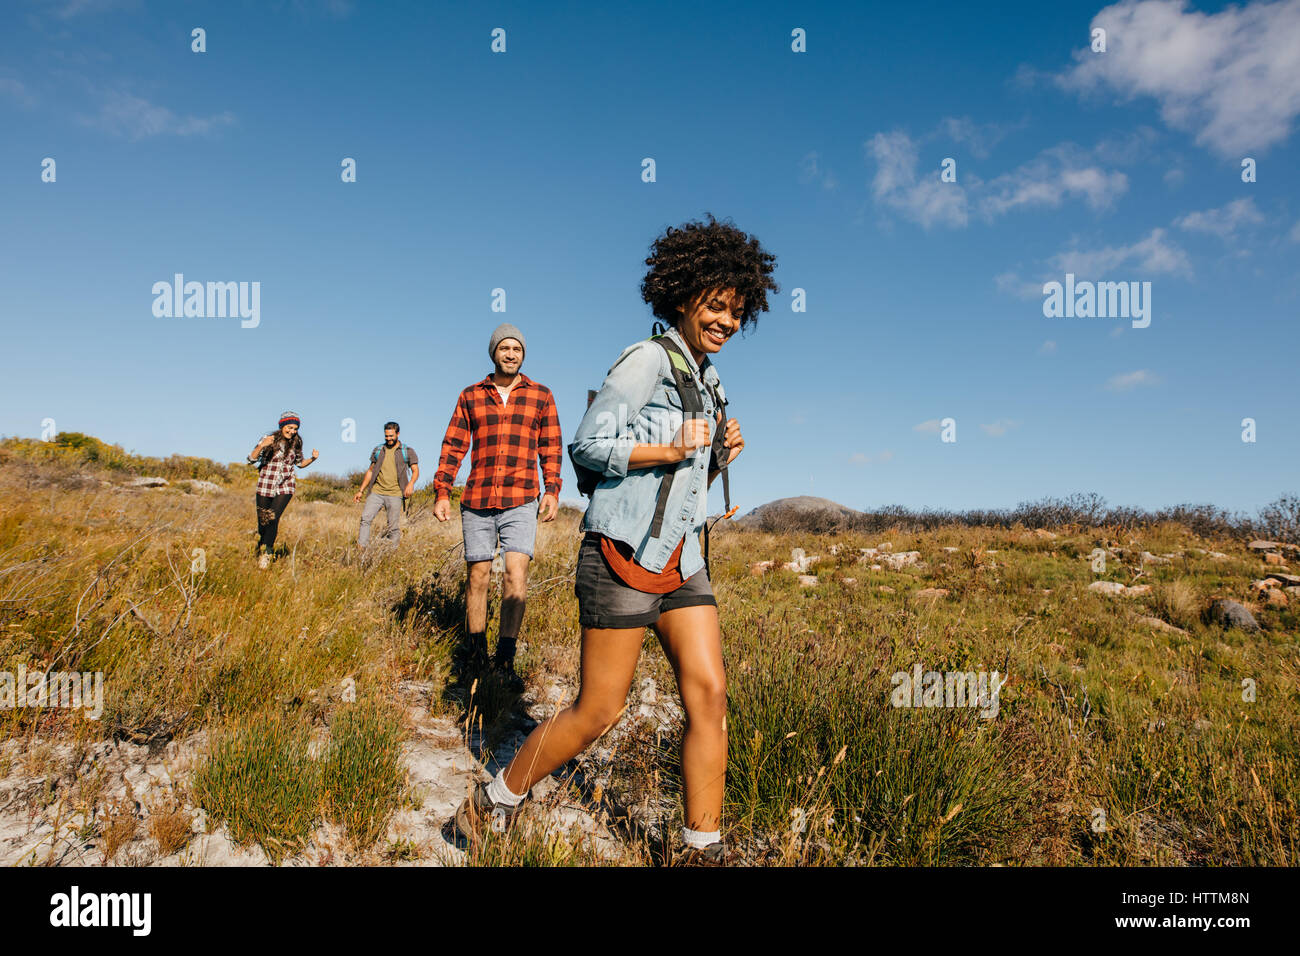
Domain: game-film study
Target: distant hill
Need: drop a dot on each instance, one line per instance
(799, 503)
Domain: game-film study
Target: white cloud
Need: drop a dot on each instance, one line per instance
(1154, 254)
(1044, 181)
(999, 428)
(124, 114)
(811, 170)
(979, 138)
(1011, 283)
(1232, 77)
(1047, 348)
(931, 426)
(923, 200)
(1056, 174)
(1131, 380)
(1223, 221)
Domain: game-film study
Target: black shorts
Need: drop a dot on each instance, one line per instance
(605, 601)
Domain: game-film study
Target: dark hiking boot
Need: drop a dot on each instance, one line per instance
(505, 673)
(715, 854)
(470, 659)
(479, 814)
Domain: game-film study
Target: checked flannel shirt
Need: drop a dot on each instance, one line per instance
(276, 476)
(507, 440)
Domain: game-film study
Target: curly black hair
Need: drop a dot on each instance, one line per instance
(695, 258)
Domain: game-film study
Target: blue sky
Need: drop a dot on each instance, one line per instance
(522, 170)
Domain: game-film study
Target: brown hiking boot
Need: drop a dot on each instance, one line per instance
(479, 814)
(715, 854)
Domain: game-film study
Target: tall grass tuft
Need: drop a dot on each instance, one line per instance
(261, 779)
(820, 758)
(362, 776)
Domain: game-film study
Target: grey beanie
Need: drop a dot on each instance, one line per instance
(505, 331)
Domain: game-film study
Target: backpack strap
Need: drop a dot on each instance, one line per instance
(720, 452)
(692, 406)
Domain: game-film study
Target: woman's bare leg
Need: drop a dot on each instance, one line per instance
(609, 658)
(692, 641)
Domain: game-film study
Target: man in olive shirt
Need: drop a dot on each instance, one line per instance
(394, 469)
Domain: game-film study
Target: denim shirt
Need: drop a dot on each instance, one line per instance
(637, 404)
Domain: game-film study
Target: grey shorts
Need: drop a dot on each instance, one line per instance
(605, 601)
(515, 528)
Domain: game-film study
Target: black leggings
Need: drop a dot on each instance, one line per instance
(268, 519)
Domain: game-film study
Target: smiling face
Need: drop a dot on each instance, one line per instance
(508, 357)
(288, 431)
(390, 437)
(710, 320)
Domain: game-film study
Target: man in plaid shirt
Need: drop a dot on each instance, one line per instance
(512, 423)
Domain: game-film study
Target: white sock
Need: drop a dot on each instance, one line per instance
(700, 838)
(500, 793)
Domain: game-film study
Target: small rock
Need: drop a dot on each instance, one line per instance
(876, 567)
(1263, 546)
(1044, 533)
(807, 580)
(886, 588)
(1272, 557)
(1148, 558)
(849, 580)
(800, 561)
(147, 483)
(1137, 589)
(1160, 625)
(201, 487)
(1229, 613)
(1286, 579)
(760, 567)
(932, 594)
(1275, 597)
(1113, 588)
(950, 549)
(902, 559)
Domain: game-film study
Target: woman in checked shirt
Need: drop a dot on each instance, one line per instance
(276, 455)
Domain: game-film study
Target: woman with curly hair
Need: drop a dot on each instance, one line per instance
(640, 564)
(275, 456)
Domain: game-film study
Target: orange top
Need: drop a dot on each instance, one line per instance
(619, 558)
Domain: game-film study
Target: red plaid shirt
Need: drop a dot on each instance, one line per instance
(507, 442)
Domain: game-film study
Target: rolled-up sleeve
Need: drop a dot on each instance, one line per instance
(604, 439)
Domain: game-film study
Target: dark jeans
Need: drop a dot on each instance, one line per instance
(268, 519)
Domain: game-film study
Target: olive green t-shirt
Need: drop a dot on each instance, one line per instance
(386, 480)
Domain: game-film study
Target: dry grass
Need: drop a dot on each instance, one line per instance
(1102, 712)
